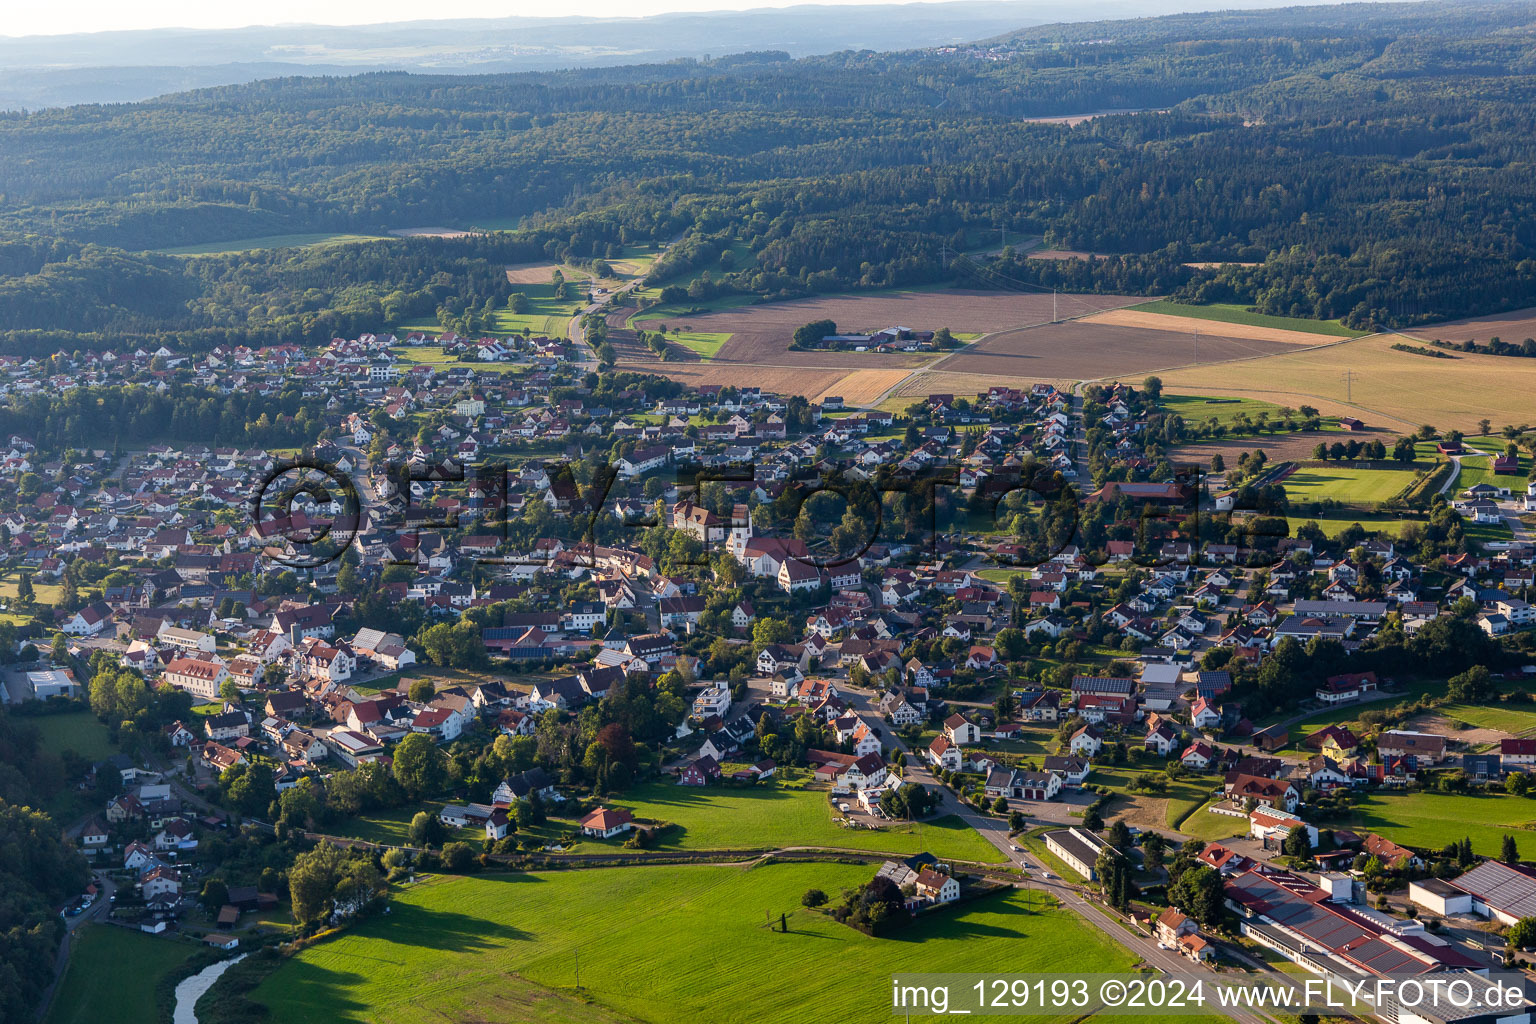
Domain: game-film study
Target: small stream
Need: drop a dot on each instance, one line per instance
(192, 989)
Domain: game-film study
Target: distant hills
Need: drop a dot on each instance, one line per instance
(116, 67)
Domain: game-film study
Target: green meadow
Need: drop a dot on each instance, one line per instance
(657, 944)
(777, 814)
(1430, 821)
(79, 731)
(111, 969)
(1346, 483)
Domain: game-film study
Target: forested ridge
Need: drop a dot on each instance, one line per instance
(1374, 160)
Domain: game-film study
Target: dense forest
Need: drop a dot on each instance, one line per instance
(39, 869)
(1372, 160)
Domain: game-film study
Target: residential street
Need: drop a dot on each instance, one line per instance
(995, 831)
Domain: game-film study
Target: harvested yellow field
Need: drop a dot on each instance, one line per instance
(531, 273)
(1365, 377)
(863, 387)
(1207, 328)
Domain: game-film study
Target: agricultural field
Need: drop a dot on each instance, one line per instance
(762, 333)
(1347, 483)
(864, 387)
(701, 343)
(1088, 350)
(654, 944)
(1234, 315)
(925, 382)
(1432, 820)
(1204, 328)
(79, 731)
(111, 969)
(298, 241)
(779, 814)
(1295, 447)
(1512, 327)
(1384, 388)
(540, 273)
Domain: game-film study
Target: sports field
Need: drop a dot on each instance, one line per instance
(1347, 483)
(656, 944)
(778, 815)
(112, 970)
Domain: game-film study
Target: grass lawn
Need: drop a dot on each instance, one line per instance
(1347, 483)
(42, 593)
(1231, 313)
(1504, 717)
(79, 731)
(1001, 575)
(1202, 824)
(299, 241)
(1391, 526)
(387, 826)
(779, 814)
(391, 827)
(1432, 820)
(1348, 713)
(1478, 469)
(111, 969)
(656, 944)
(705, 344)
(413, 355)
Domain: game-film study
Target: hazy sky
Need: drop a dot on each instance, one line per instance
(68, 16)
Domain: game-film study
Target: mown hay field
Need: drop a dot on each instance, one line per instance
(1384, 387)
